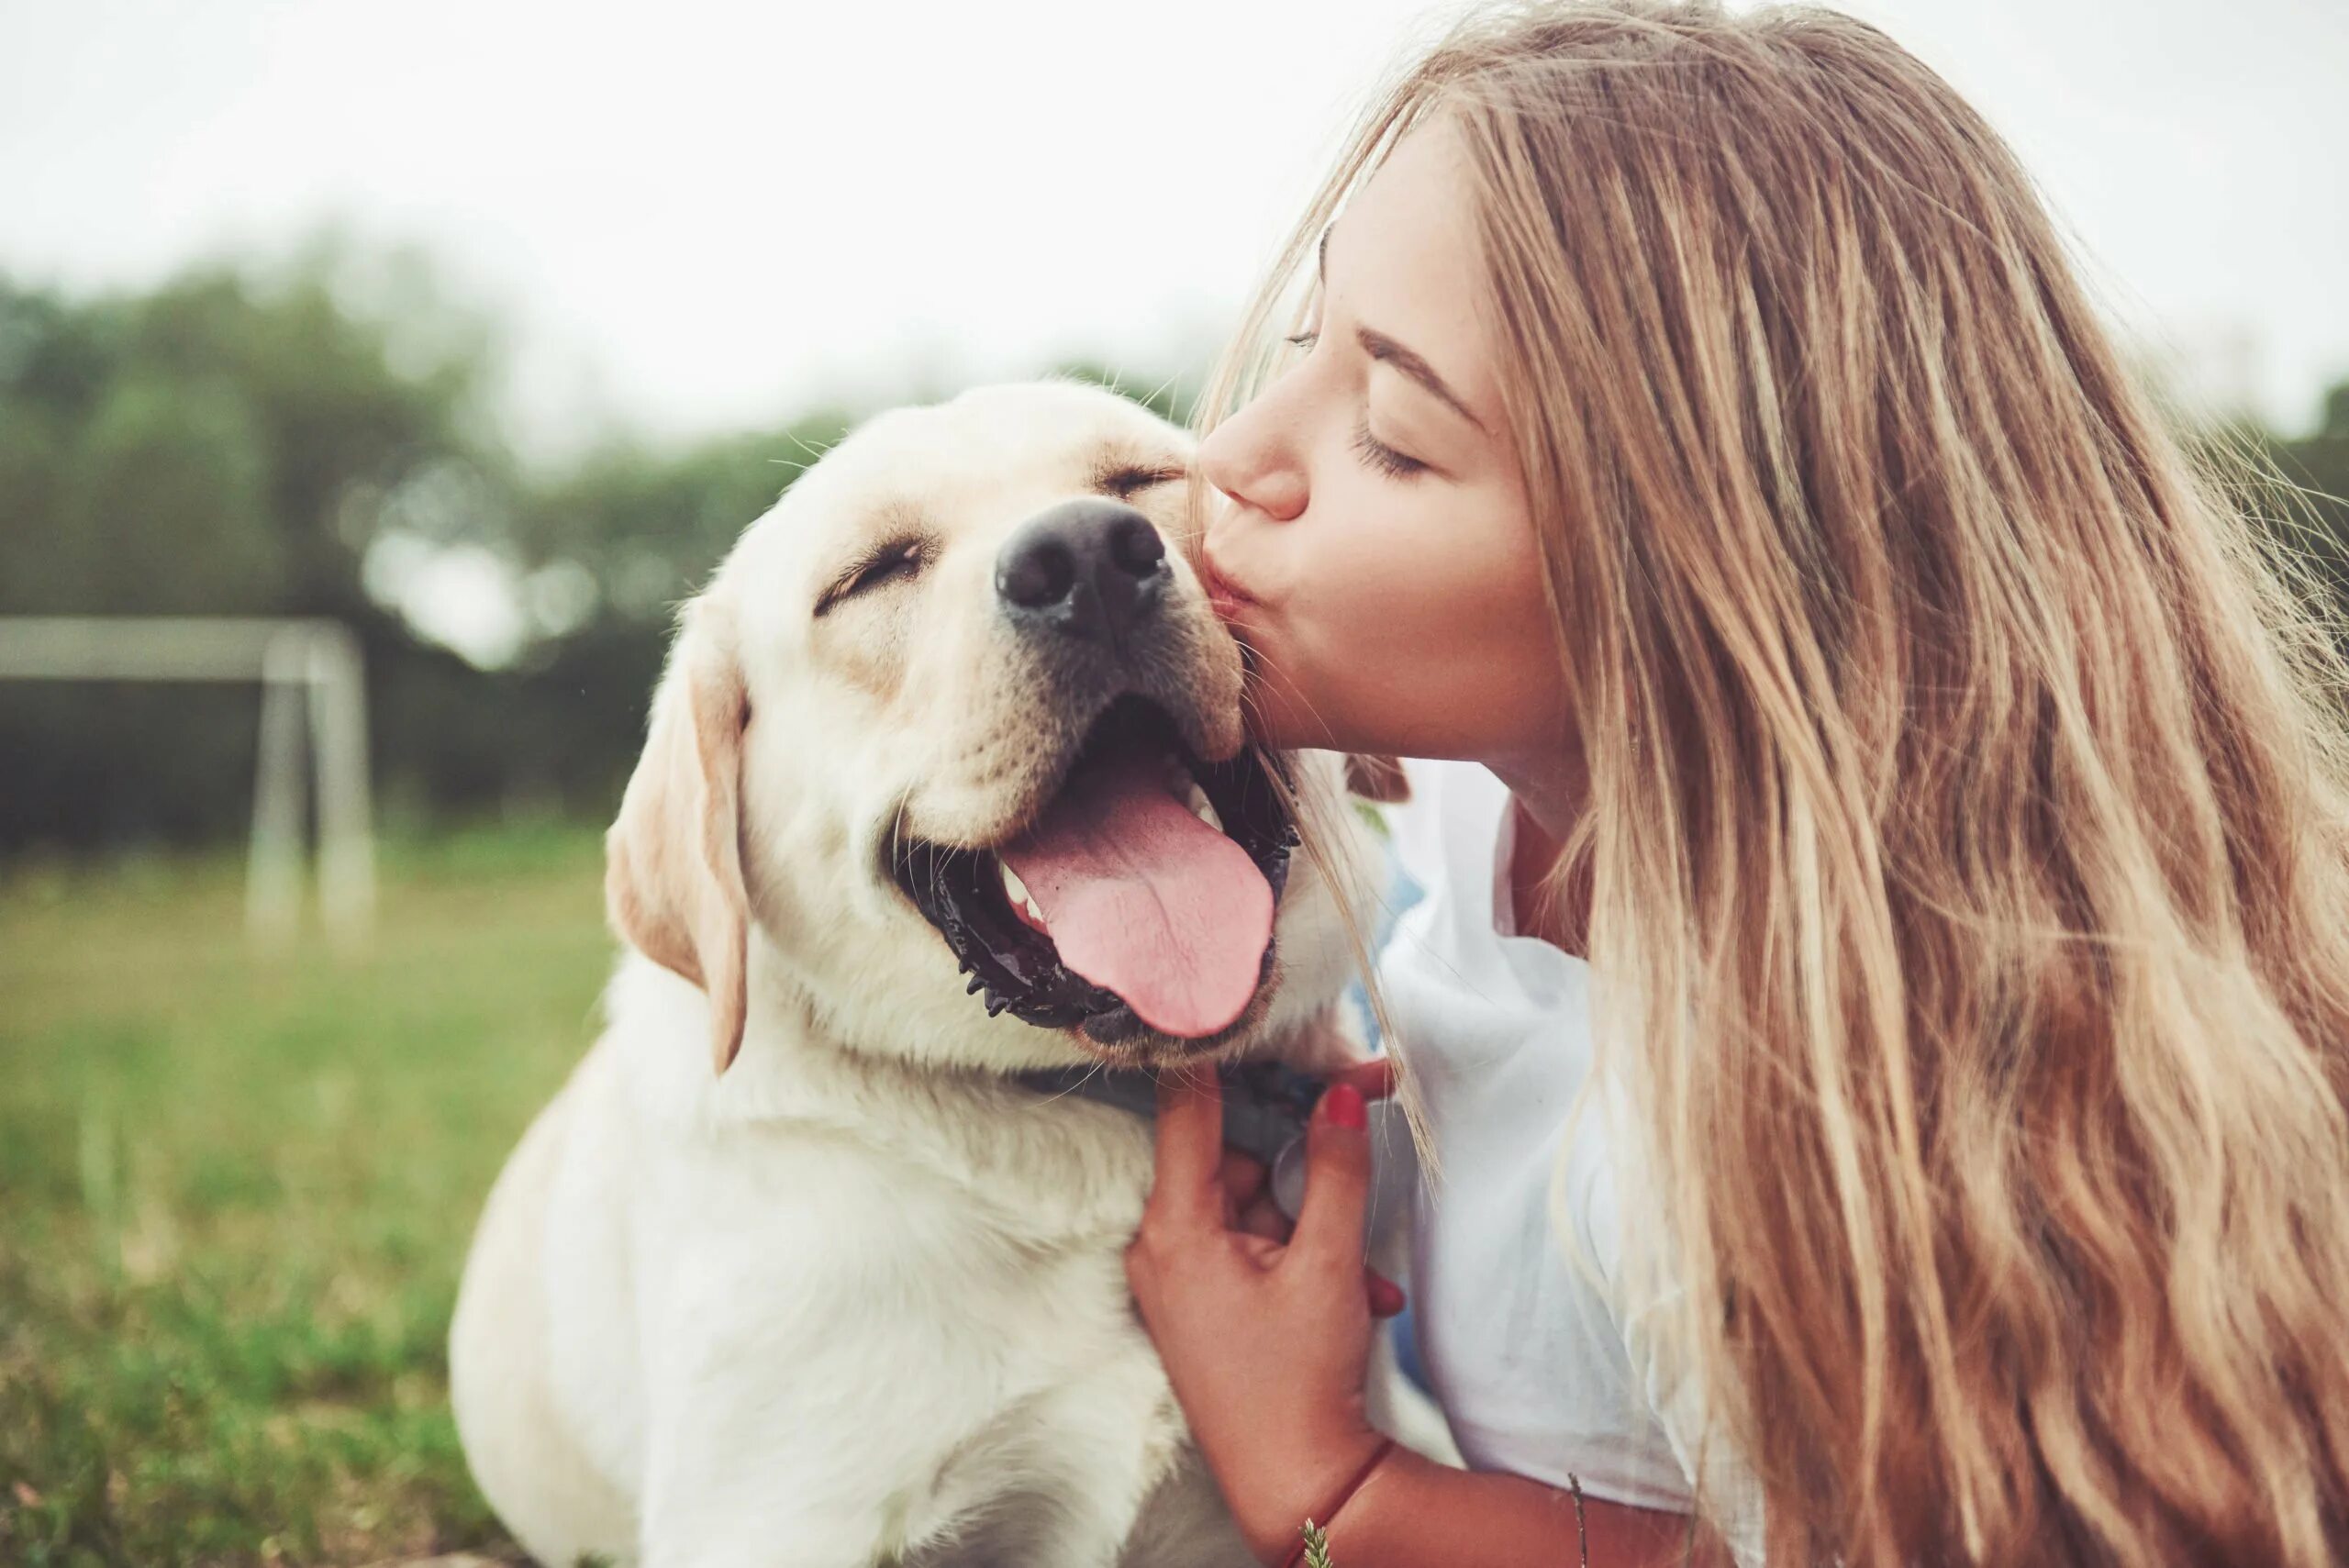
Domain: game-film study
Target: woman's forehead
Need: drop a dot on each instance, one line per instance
(1404, 260)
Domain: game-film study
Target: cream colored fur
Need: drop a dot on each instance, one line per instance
(856, 1298)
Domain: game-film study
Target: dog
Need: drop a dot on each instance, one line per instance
(945, 787)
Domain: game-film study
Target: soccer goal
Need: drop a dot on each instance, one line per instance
(304, 667)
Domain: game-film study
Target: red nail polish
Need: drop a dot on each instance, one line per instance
(1343, 1105)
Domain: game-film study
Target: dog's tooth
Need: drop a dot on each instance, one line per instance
(1012, 886)
(1033, 913)
(1202, 807)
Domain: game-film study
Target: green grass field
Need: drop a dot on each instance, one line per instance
(235, 1194)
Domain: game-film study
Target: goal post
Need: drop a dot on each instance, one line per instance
(311, 678)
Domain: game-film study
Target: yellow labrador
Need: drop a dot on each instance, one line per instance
(945, 783)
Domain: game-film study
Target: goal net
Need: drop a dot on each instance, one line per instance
(312, 681)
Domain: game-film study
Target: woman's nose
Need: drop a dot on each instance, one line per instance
(1244, 458)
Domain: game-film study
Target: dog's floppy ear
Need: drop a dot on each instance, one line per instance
(1377, 778)
(672, 878)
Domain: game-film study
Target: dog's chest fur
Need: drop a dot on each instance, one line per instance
(884, 1295)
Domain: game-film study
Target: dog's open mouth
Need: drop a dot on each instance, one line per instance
(1141, 897)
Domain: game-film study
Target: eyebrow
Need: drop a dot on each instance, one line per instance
(1387, 350)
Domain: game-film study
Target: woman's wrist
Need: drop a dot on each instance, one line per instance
(1411, 1512)
(1321, 1519)
(1362, 1532)
(1315, 1485)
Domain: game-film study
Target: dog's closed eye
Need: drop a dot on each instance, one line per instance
(1124, 480)
(897, 560)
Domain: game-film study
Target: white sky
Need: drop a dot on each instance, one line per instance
(699, 215)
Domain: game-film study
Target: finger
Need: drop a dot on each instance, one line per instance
(1373, 1080)
(1190, 1146)
(1242, 1177)
(1385, 1296)
(1263, 1218)
(1337, 1179)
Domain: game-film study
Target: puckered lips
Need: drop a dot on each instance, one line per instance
(1230, 601)
(1138, 895)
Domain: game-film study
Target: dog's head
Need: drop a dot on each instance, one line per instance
(955, 731)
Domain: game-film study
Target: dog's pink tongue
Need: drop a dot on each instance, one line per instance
(1144, 899)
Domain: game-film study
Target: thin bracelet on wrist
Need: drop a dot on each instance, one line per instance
(1345, 1495)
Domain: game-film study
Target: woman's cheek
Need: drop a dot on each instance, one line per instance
(1287, 707)
(1369, 651)
(1323, 677)
(1322, 656)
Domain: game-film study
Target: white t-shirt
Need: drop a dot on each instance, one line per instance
(1541, 1366)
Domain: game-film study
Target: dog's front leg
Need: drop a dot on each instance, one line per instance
(988, 1509)
(806, 1409)
(783, 1421)
(859, 1451)
(706, 1507)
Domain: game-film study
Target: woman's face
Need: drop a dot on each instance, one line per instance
(1375, 552)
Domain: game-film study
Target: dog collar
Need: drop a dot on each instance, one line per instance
(1265, 1104)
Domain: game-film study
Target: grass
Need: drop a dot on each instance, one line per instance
(236, 1190)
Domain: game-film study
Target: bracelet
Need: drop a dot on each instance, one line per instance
(1378, 1456)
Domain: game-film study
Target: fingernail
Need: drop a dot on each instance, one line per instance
(1343, 1105)
(1386, 1297)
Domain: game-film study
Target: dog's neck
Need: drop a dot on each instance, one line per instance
(1266, 1101)
(1265, 1104)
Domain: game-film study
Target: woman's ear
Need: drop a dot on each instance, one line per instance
(1377, 778)
(672, 879)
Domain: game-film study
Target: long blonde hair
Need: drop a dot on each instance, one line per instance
(1968, 812)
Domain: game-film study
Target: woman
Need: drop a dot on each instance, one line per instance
(1915, 829)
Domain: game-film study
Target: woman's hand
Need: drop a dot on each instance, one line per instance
(1266, 1335)
(1265, 1339)
(1247, 1183)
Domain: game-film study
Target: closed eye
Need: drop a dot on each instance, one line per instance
(1126, 480)
(899, 561)
(1383, 458)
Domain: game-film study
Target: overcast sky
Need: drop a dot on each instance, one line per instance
(700, 216)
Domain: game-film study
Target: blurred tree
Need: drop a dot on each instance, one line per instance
(248, 440)
(189, 451)
(2299, 487)
(648, 526)
(1172, 398)
(158, 449)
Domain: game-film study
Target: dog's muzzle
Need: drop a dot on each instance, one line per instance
(1134, 893)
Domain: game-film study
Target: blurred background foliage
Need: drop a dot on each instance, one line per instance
(2311, 519)
(318, 437)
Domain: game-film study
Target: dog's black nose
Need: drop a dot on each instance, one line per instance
(1091, 568)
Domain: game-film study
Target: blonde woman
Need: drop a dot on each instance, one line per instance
(1881, 1009)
